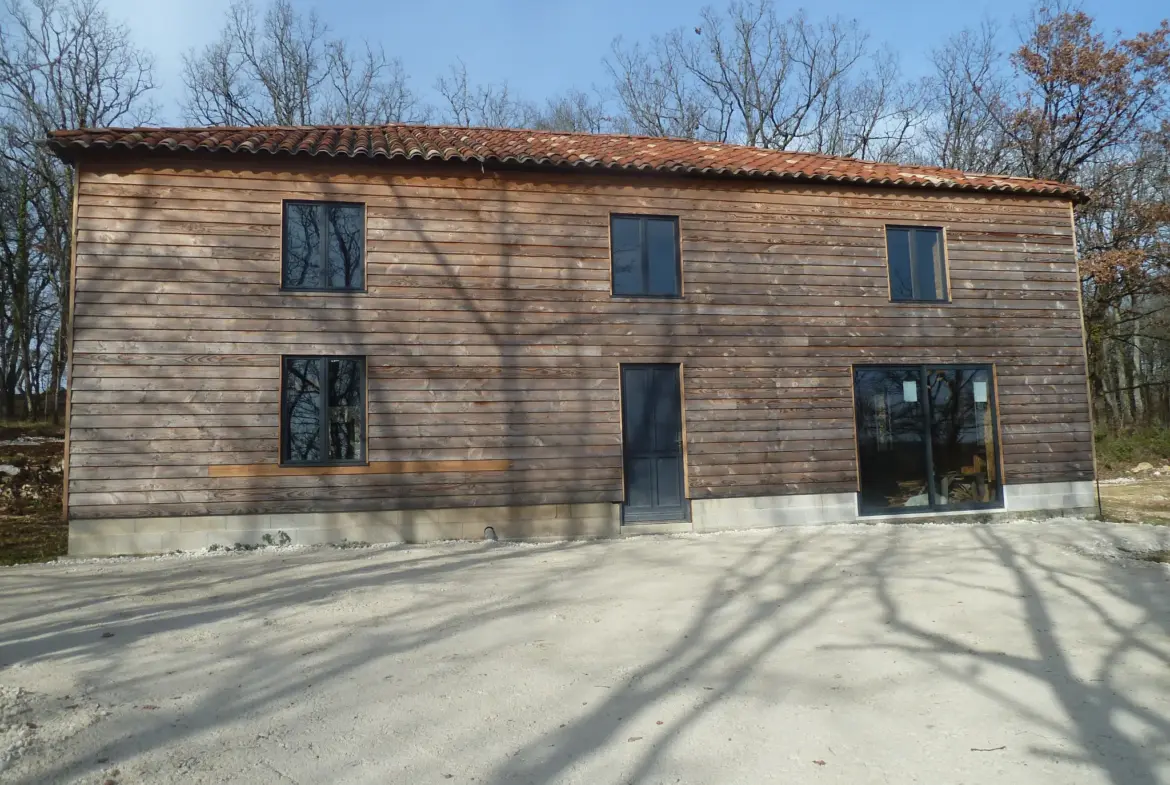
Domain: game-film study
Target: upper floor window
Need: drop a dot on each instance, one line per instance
(323, 413)
(323, 244)
(917, 263)
(645, 253)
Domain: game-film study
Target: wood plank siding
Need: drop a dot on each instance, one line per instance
(491, 335)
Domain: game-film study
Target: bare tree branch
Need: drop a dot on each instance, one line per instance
(285, 69)
(750, 77)
(63, 64)
(489, 105)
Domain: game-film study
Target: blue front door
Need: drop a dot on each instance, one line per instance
(652, 443)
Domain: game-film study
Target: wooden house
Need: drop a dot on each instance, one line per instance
(409, 333)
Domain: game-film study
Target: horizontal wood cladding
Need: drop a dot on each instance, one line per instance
(493, 343)
(373, 467)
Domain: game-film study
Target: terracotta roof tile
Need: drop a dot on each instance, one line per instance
(552, 149)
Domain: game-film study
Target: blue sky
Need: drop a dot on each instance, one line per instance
(541, 47)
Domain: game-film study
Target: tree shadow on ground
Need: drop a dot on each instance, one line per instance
(1095, 714)
(758, 600)
(272, 678)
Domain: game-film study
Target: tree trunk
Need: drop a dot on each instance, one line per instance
(1106, 384)
(1121, 380)
(55, 377)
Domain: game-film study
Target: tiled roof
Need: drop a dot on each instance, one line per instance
(615, 153)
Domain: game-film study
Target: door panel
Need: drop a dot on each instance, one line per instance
(669, 479)
(962, 443)
(652, 443)
(640, 482)
(891, 444)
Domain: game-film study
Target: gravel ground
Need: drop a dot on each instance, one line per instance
(1012, 653)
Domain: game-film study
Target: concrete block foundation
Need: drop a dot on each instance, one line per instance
(156, 535)
(1025, 500)
(540, 522)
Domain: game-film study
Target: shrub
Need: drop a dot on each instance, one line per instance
(1119, 452)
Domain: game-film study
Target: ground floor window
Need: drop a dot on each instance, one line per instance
(323, 411)
(926, 438)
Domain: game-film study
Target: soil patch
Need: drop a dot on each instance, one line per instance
(31, 525)
(1139, 501)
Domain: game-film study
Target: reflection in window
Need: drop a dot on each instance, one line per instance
(323, 423)
(626, 250)
(644, 252)
(302, 402)
(344, 257)
(890, 438)
(345, 415)
(962, 436)
(917, 270)
(926, 438)
(302, 246)
(323, 246)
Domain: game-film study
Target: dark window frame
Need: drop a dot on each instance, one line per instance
(285, 359)
(923, 371)
(324, 228)
(944, 272)
(643, 218)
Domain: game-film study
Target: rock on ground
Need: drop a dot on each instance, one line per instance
(1033, 653)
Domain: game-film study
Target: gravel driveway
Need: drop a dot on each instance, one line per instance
(1011, 653)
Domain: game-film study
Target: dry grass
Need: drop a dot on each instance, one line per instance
(1144, 501)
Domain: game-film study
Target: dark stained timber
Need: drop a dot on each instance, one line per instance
(487, 316)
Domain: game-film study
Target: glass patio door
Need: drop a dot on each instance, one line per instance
(926, 438)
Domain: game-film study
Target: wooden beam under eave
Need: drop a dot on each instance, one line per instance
(375, 467)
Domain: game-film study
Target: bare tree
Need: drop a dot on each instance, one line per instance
(655, 92)
(367, 87)
(468, 104)
(491, 105)
(967, 93)
(876, 116)
(63, 64)
(282, 68)
(576, 111)
(18, 268)
(751, 77)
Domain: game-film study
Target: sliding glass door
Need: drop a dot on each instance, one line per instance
(926, 438)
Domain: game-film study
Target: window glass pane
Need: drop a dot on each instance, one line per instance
(962, 436)
(346, 434)
(626, 250)
(637, 401)
(302, 411)
(662, 246)
(898, 251)
(928, 269)
(302, 247)
(345, 246)
(891, 440)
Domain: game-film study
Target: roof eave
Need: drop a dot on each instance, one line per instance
(72, 152)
